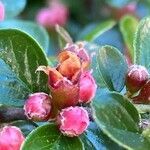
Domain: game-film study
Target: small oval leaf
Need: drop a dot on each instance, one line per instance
(20, 56)
(49, 137)
(119, 120)
(113, 67)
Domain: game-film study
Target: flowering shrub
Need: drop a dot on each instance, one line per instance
(87, 94)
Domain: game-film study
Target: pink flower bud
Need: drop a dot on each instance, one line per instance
(144, 95)
(38, 107)
(87, 87)
(136, 77)
(57, 13)
(73, 121)
(2, 11)
(11, 138)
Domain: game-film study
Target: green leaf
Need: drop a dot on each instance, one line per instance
(142, 43)
(94, 139)
(119, 120)
(112, 66)
(128, 25)
(33, 29)
(13, 7)
(25, 126)
(48, 137)
(20, 56)
(99, 29)
(12, 90)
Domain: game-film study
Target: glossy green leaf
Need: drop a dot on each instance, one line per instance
(142, 43)
(94, 139)
(20, 56)
(128, 25)
(33, 29)
(25, 126)
(99, 29)
(48, 137)
(13, 7)
(113, 67)
(12, 90)
(119, 119)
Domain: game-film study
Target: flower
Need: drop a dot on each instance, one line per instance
(73, 121)
(57, 13)
(66, 79)
(2, 11)
(136, 77)
(11, 138)
(87, 87)
(38, 107)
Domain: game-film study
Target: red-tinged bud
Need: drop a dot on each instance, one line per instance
(136, 77)
(65, 94)
(87, 87)
(38, 107)
(11, 138)
(73, 121)
(144, 95)
(2, 11)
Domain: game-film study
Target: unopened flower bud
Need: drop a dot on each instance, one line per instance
(73, 121)
(87, 87)
(144, 95)
(136, 77)
(38, 107)
(11, 138)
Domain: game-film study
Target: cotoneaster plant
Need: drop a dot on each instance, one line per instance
(89, 99)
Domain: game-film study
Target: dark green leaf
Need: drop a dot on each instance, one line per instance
(48, 137)
(113, 67)
(95, 139)
(142, 43)
(99, 29)
(128, 25)
(12, 90)
(36, 31)
(25, 126)
(119, 119)
(21, 54)
(13, 7)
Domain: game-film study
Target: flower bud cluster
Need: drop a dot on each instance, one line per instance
(71, 84)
